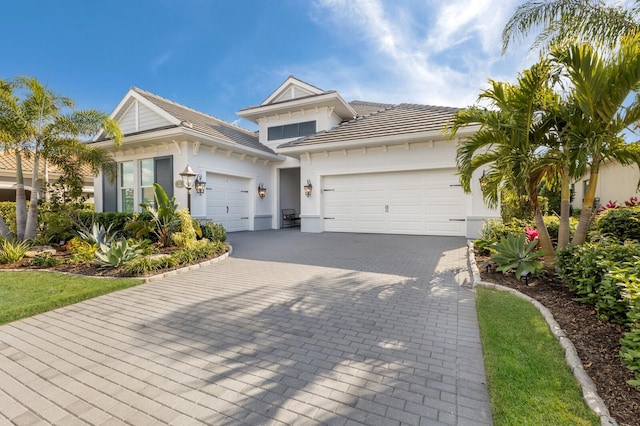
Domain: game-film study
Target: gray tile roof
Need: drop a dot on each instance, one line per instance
(388, 120)
(205, 123)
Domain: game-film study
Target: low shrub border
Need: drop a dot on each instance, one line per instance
(589, 392)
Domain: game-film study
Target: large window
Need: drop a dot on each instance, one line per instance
(294, 130)
(126, 181)
(134, 184)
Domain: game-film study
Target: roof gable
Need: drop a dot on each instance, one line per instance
(292, 88)
(157, 113)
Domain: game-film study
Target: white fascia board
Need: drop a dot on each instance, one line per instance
(291, 81)
(131, 94)
(296, 105)
(181, 132)
(236, 147)
(397, 139)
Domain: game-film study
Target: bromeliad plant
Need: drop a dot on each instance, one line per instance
(515, 252)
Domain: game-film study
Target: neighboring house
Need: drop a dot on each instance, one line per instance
(615, 183)
(370, 167)
(8, 176)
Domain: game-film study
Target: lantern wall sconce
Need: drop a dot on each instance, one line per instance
(200, 185)
(262, 191)
(308, 188)
(483, 180)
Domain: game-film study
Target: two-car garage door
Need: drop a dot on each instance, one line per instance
(425, 202)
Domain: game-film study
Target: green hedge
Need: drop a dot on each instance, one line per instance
(622, 224)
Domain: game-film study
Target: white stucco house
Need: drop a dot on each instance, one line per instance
(616, 183)
(370, 167)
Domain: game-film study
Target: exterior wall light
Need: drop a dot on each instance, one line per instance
(200, 185)
(308, 188)
(483, 180)
(262, 191)
(187, 179)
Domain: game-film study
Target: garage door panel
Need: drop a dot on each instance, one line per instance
(418, 202)
(228, 201)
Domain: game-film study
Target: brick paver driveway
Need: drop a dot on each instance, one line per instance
(293, 328)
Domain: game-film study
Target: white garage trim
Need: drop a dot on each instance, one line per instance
(422, 202)
(228, 201)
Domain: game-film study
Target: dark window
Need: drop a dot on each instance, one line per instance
(291, 130)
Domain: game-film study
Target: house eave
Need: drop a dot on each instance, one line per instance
(340, 107)
(181, 134)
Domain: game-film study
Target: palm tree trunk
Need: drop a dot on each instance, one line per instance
(21, 199)
(4, 231)
(587, 207)
(565, 211)
(31, 227)
(544, 238)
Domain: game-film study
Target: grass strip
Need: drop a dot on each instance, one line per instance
(528, 379)
(23, 294)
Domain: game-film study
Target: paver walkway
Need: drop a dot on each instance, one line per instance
(292, 329)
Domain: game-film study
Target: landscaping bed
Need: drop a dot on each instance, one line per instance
(597, 341)
(62, 258)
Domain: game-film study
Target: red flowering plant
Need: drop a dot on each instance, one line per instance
(632, 202)
(531, 233)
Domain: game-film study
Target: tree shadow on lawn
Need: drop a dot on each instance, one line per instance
(336, 346)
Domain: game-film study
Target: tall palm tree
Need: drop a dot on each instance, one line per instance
(512, 130)
(602, 88)
(48, 128)
(561, 21)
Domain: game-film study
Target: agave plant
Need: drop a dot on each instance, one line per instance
(98, 234)
(515, 252)
(114, 255)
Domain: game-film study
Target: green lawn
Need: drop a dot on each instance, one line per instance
(23, 294)
(529, 381)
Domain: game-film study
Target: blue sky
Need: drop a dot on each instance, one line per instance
(218, 56)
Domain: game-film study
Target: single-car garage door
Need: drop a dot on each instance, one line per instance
(425, 202)
(228, 201)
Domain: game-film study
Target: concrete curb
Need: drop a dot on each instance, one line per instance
(589, 392)
(187, 268)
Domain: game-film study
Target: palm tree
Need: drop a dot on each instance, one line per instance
(45, 131)
(512, 130)
(601, 88)
(562, 21)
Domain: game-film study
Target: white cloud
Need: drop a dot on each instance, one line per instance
(426, 52)
(160, 60)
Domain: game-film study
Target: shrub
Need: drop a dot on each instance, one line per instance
(163, 218)
(13, 251)
(116, 254)
(620, 223)
(629, 280)
(187, 235)
(585, 270)
(214, 232)
(514, 252)
(81, 250)
(44, 260)
(553, 226)
(8, 212)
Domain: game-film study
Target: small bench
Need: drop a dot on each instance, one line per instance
(290, 218)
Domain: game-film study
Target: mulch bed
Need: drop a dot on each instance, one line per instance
(93, 270)
(596, 340)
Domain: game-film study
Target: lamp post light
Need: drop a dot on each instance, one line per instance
(187, 178)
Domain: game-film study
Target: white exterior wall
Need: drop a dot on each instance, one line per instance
(615, 183)
(325, 119)
(415, 156)
(203, 160)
